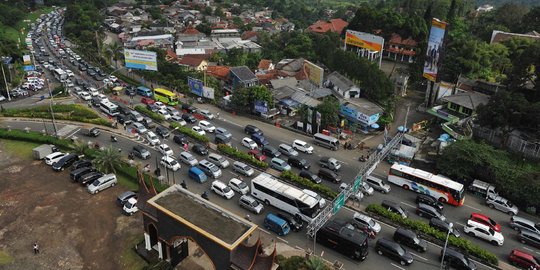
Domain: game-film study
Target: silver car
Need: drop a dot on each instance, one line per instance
(502, 205)
(219, 160)
(519, 224)
(243, 168)
(188, 158)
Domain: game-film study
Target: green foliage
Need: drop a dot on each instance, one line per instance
(301, 263)
(155, 116)
(329, 110)
(82, 20)
(434, 234)
(244, 99)
(189, 132)
(303, 182)
(10, 15)
(108, 160)
(33, 136)
(236, 154)
(72, 112)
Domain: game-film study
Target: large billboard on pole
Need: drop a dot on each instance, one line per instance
(364, 40)
(136, 59)
(313, 72)
(434, 49)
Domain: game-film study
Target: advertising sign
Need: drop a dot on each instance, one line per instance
(318, 118)
(136, 59)
(26, 59)
(208, 92)
(434, 49)
(364, 40)
(309, 115)
(261, 106)
(314, 73)
(196, 86)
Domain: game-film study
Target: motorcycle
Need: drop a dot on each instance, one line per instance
(113, 138)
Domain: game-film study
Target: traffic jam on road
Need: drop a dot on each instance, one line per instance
(280, 208)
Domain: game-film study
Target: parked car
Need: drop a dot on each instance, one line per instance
(486, 221)
(163, 132)
(207, 114)
(188, 158)
(54, 157)
(249, 143)
(482, 231)
(299, 163)
(378, 184)
(75, 175)
(178, 119)
(89, 178)
(426, 199)
(302, 146)
(410, 239)
(502, 205)
(65, 162)
(165, 150)
(222, 190)
(219, 160)
(250, 204)
(188, 108)
(310, 176)
(180, 139)
(140, 128)
(243, 168)
(257, 154)
(287, 150)
(207, 126)
(82, 163)
(522, 224)
(200, 149)
(457, 260)
(224, 132)
(104, 182)
(394, 251)
(366, 188)
(189, 118)
(239, 186)
(528, 237)
(199, 130)
(280, 165)
(428, 211)
(152, 138)
(124, 197)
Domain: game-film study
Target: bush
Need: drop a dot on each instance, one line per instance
(303, 182)
(189, 132)
(33, 136)
(234, 153)
(434, 234)
(155, 116)
(72, 112)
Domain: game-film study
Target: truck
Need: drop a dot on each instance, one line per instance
(44, 150)
(330, 163)
(482, 189)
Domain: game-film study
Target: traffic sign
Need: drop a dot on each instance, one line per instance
(357, 183)
(339, 202)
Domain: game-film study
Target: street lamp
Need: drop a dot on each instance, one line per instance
(451, 225)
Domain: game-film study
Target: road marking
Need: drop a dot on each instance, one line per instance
(72, 134)
(419, 256)
(479, 210)
(460, 224)
(283, 240)
(229, 121)
(409, 205)
(529, 249)
(297, 247)
(264, 231)
(397, 266)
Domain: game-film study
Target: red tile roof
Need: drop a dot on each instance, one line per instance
(265, 78)
(249, 35)
(219, 72)
(170, 55)
(398, 40)
(191, 31)
(264, 64)
(334, 25)
(191, 61)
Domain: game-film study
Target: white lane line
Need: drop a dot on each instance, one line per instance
(264, 231)
(419, 256)
(283, 240)
(409, 205)
(73, 133)
(479, 210)
(399, 267)
(460, 224)
(297, 247)
(529, 249)
(229, 121)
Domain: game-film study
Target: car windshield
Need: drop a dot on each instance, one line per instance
(416, 240)
(492, 222)
(371, 222)
(509, 204)
(491, 231)
(400, 251)
(227, 190)
(95, 183)
(242, 185)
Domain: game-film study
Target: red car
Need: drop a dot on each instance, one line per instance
(256, 154)
(486, 221)
(524, 260)
(147, 100)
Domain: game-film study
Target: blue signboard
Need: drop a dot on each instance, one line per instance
(261, 106)
(196, 86)
(29, 68)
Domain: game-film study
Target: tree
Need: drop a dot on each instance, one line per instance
(329, 110)
(205, 28)
(451, 12)
(531, 20)
(207, 10)
(315, 263)
(80, 148)
(505, 110)
(108, 160)
(219, 12)
(114, 51)
(244, 99)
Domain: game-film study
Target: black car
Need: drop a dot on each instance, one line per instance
(82, 67)
(310, 176)
(221, 139)
(152, 107)
(91, 73)
(299, 163)
(180, 139)
(457, 260)
(131, 91)
(410, 239)
(329, 175)
(123, 109)
(296, 224)
(81, 164)
(426, 199)
(95, 101)
(163, 132)
(140, 152)
(89, 178)
(93, 132)
(250, 129)
(65, 162)
(425, 210)
(200, 149)
(188, 108)
(270, 151)
(394, 251)
(444, 226)
(189, 118)
(123, 119)
(76, 174)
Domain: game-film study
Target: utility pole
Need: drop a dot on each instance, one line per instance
(5, 81)
(51, 108)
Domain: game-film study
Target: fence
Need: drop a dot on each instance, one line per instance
(512, 143)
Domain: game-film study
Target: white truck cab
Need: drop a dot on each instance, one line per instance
(130, 207)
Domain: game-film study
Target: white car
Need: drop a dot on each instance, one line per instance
(178, 119)
(239, 186)
(482, 231)
(54, 157)
(362, 221)
(85, 96)
(188, 158)
(152, 138)
(207, 126)
(165, 150)
(173, 111)
(103, 97)
(198, 130)
(170, 163)
(249, 143)
(70, 73)
(207, 114)
(130, 207)
(222, 190)
(160, 105)
(140, 128)
(302, 146)
(113, 78)
(165, 114)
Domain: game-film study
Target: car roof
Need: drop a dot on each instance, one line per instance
(521, 219)
(478, 215)
(522, 254)
(236, 180)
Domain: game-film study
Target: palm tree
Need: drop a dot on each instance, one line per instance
(114, 50)
(108, 160)
(80, 148)
(315, 263)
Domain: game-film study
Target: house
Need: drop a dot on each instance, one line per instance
(241, 77)
(250, 35)
(226, 44)
(342, 86)
(361, 113)
(170, 56)
(195, 62)
(290, 67)
(219, 72)
(220, 33)
(159, 41)
(264, 66)
(333, 25)
(212, 19)
(288, 81)
(500, 36)
(400, 49)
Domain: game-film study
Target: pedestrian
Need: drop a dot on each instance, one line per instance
(248, 217)
(217, 114)
(36, 248)
(124, 125)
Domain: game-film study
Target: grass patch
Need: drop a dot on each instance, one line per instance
(129, 259)
(126, 182)
(20, 149)
(5, 259)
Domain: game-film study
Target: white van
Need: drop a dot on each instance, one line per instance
(104, 182)
(326, 141)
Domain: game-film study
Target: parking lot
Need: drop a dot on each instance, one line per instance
(74, 230)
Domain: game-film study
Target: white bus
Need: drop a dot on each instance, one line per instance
(437, 186)
(285, 197)
(60, 74)
(326, 141)
(108, 107)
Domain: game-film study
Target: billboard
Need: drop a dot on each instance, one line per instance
(434, 49)
(208, 92)
(26, 59)
(364, 40)
(313, 72)
(136, 59)
(261, 106)
(196, 86)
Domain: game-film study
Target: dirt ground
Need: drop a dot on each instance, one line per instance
(74, 230)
